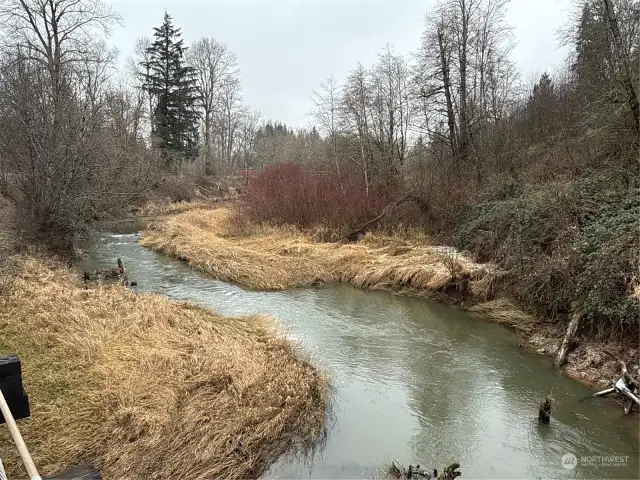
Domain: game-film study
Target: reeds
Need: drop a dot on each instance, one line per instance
(151, 389)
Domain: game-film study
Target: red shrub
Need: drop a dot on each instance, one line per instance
(293, 194)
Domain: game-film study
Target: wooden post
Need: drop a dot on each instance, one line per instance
(18, 440)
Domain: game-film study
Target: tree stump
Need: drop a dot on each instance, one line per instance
(450, 472)
(544, 413)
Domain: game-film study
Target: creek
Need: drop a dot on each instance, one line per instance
(415, 380)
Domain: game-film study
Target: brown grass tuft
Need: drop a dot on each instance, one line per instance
(504, 312)
(156, 208)
(271, 258)
(150, 389)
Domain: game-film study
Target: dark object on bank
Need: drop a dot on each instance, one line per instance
(544, 414)
(11, 387)
(14, 404)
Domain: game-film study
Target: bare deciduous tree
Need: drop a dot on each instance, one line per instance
(215, 66)
(59, 111)
(326, 101)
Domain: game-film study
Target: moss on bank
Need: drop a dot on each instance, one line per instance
(148, 388)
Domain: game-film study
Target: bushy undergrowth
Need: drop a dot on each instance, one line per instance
(295, 195)
(570, 247)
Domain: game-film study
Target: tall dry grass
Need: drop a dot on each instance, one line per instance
(150, 389)
(271, 258)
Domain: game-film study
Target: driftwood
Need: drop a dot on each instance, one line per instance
(118, 272)
(357, 234)
(627, 386)
(450, 472)
(566, 343)
(396, 470)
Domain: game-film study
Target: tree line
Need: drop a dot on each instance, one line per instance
(194, 101)
(80, 139)
(457, 108)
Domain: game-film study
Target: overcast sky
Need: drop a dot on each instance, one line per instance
(287, 48)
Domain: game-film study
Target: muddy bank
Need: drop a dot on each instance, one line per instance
(148, 388)
(587, 361)
(271, 258)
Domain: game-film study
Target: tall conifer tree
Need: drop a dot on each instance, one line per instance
(172, 84)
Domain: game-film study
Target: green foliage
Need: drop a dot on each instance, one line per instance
(569, 247)
(172, 84)
(609, 251)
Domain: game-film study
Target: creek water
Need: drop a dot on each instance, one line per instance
(415, 381)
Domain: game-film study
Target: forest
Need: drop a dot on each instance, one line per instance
(541, 178)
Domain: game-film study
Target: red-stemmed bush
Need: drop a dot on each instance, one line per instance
(293, 194)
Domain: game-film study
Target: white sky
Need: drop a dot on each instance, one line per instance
(287, 48)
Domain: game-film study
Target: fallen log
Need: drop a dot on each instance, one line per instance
(566, 343)
(118, 272)
(357, 234)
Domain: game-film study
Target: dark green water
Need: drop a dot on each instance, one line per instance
(416, 381)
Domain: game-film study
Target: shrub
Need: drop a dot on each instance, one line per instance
(569, 248)
(296, 195)
(176, 189)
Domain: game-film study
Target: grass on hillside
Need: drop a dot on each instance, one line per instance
(147, 388)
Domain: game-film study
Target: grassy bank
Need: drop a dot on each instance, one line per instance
(267, 257)
(148, 388)
(274, 258)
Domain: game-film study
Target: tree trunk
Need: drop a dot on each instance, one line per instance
(446, 80)
(464, 121)
(208, 168)
(623, 62)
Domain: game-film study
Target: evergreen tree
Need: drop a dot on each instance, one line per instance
(593, 62)
(172, 84)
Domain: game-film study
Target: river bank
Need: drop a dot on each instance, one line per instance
(409, 375)
(262, 257)
(149, 388)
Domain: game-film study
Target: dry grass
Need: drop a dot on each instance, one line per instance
(7, 234)
(150, 389)
(273, 258)
(163, 207)
(504, 312)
